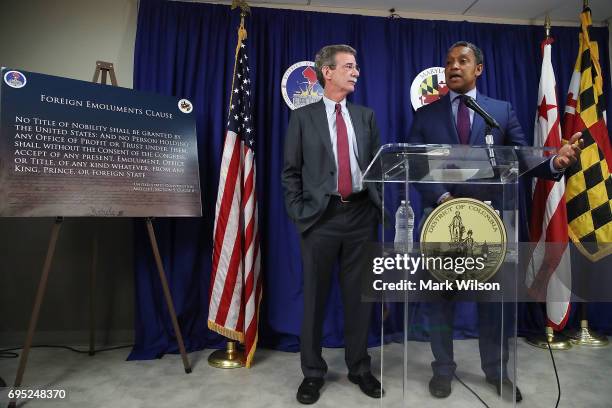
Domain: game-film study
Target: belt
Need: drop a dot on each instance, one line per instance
(359, 196)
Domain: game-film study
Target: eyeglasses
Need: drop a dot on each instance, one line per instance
(348, 67)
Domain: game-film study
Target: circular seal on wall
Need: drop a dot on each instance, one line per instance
(466, 232)
(427, 87)
(185, 105)
(15, 79)
(300, 86)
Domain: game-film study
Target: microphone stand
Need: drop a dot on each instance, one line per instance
(489, 142)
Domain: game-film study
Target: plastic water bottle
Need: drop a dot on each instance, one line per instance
(404, 225)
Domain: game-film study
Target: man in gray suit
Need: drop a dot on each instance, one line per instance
(328, 145)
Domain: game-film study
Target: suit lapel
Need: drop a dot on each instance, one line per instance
(354, 113)
(319, 118)
(478, 125)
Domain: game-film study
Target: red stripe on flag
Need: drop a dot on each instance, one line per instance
(240, 320)
(229, 286)
(226, 202)
(253, 282)
(248, 289)
(552, 253)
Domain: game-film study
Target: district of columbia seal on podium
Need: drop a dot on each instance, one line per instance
(465, 239)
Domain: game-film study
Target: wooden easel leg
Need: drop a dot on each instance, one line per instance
(92, 292)
(168, 296)
(40, 294)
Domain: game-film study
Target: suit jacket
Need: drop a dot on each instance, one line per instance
(435, 124)
(309, 174)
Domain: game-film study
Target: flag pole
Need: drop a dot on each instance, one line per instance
(556, 341)
(232, 356)
(585, 336)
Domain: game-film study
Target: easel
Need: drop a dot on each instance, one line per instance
(106, 68)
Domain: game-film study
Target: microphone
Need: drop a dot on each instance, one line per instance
(472, 104)
(491, 123)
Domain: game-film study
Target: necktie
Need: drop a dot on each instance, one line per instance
(345, 183)
(463, 121)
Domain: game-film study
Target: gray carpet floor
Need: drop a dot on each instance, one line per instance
(107, 380)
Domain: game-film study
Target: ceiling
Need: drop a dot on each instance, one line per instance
(499, 10)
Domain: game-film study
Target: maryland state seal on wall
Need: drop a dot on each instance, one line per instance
(299, 85)
(428, 86)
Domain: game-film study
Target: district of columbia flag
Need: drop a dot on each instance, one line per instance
(235, 286)
(549, 273)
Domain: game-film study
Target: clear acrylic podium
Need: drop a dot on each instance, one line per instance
(411, 322)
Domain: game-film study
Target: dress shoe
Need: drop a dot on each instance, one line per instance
(368, 384)
(506, 386)
(440, 386)
(308, 392)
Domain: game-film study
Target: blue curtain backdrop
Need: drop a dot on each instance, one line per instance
(187, 50)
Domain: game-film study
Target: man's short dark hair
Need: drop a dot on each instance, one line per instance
(477, 51)
(327, 57)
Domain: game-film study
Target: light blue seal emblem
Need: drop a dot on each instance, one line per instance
(15, 79)
(300, 86)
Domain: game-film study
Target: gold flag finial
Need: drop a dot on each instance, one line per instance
(547, 25)
(244, 10)
(244, 7)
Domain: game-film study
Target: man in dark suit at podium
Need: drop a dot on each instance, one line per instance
(328, 144)
(450, 121)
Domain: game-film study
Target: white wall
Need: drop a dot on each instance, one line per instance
(67, 37)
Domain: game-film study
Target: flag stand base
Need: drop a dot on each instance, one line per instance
(587, 337)
(231, 357)
(557, 341)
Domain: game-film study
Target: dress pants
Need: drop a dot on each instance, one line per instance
(492, 338)
(339, 234)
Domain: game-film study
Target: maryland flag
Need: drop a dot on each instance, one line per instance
(432, 88)
(588, 191)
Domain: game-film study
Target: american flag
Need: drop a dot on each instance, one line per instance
(235, 289)
(549, 274)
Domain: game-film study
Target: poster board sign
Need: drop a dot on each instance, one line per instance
(73, 148)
